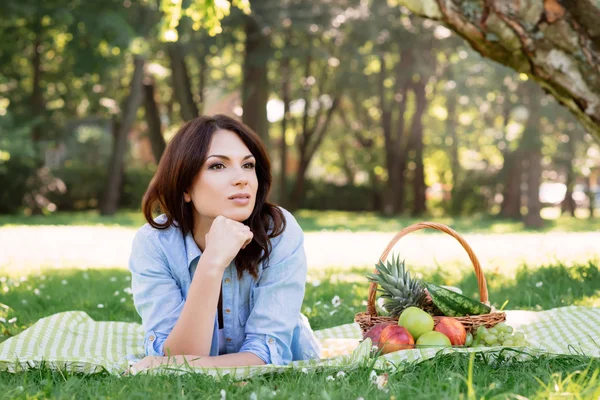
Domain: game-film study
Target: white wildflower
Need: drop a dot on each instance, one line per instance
(12, 320)
(36, 291)
(100, 305)
(223, 394)
(316, 282)
(113, 279)
(373, 376)
(43, 277)
(2, 279)
(305, 370)
(127, 290)
(332, 312)
(382, 380)
(3, 320)
(253, 396)
(24, 301)
(42, 286)
(64, 282)
(336, 301)
(5, 289)
(127, 278)
(23, 278)
(122, 300)
(330, 378)
(116, 293)
(341, 374)
(539, 284)
(364, 303)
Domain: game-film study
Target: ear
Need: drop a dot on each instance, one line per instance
(186, 197)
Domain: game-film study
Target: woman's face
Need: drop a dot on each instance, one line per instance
(229, 172)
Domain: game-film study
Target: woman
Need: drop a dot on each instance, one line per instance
(218, 278)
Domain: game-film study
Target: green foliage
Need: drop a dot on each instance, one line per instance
(329, 196)
(14, 175)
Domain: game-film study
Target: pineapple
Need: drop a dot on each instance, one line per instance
(398, 289)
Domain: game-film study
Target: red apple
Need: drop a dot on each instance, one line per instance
(394, 338)
(375, 332)
(455, 331)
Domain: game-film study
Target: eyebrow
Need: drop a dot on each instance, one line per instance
(227, 158)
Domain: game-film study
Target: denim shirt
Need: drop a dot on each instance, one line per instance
(259, 316)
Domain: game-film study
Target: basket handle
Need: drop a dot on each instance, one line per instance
(483, 292)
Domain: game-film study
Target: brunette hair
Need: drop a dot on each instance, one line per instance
(180, 163)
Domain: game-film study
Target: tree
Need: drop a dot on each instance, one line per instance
(555, 42)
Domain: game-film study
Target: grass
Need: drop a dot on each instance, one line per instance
(103, 294)
(314, 221)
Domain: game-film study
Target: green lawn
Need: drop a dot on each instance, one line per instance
(102, 293)
(312, 221)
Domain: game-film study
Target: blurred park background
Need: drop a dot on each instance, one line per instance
(364, 106)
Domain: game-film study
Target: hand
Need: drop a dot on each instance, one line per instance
(144, 364)
(225, 239)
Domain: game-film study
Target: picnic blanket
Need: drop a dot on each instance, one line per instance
(73, 341)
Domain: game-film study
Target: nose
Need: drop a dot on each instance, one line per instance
(240, 179)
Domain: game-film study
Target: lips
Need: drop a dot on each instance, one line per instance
(239, 196)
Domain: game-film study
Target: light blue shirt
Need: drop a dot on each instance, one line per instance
(259, 316)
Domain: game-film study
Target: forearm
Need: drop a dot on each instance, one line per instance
(225, 360)
(193, 332)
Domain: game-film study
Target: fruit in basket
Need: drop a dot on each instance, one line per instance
(394, 338)
(498, 335)
(375, 332)
(399, 290)
(454, 304)
(416, 321)
(452, 328)
(433, 339)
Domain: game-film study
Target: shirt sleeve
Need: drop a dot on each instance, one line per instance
(156, 295)
(278, 298)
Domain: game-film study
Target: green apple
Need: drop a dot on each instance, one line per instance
(433, 339)
(416, 321)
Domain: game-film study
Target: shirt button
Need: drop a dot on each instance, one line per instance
(228, 311)
(151, 338)
(229, 339)
(271, 340)
(227, 280)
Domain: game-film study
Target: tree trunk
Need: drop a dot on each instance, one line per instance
(37, 100)
(568, 204)
(396, 141)
(112, 192)
(555, 42)
(511, 194)
(286, 97)
(532, 147)
(451, 124)
(155, 135)
(255, 90)
(419, 187)
(181, 82)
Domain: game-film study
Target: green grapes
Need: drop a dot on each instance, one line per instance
(498, 335)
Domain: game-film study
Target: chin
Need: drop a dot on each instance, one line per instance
(239, 215)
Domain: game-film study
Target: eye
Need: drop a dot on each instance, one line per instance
(251, 165)
(216, 165)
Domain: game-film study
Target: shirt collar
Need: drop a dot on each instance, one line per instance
(191, 248)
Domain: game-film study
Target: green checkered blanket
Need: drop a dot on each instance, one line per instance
(73, 341)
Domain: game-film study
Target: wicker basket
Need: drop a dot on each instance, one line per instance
(369, 318)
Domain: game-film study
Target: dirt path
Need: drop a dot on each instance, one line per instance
(25, 248)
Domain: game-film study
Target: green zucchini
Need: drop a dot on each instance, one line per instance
(454, 304)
